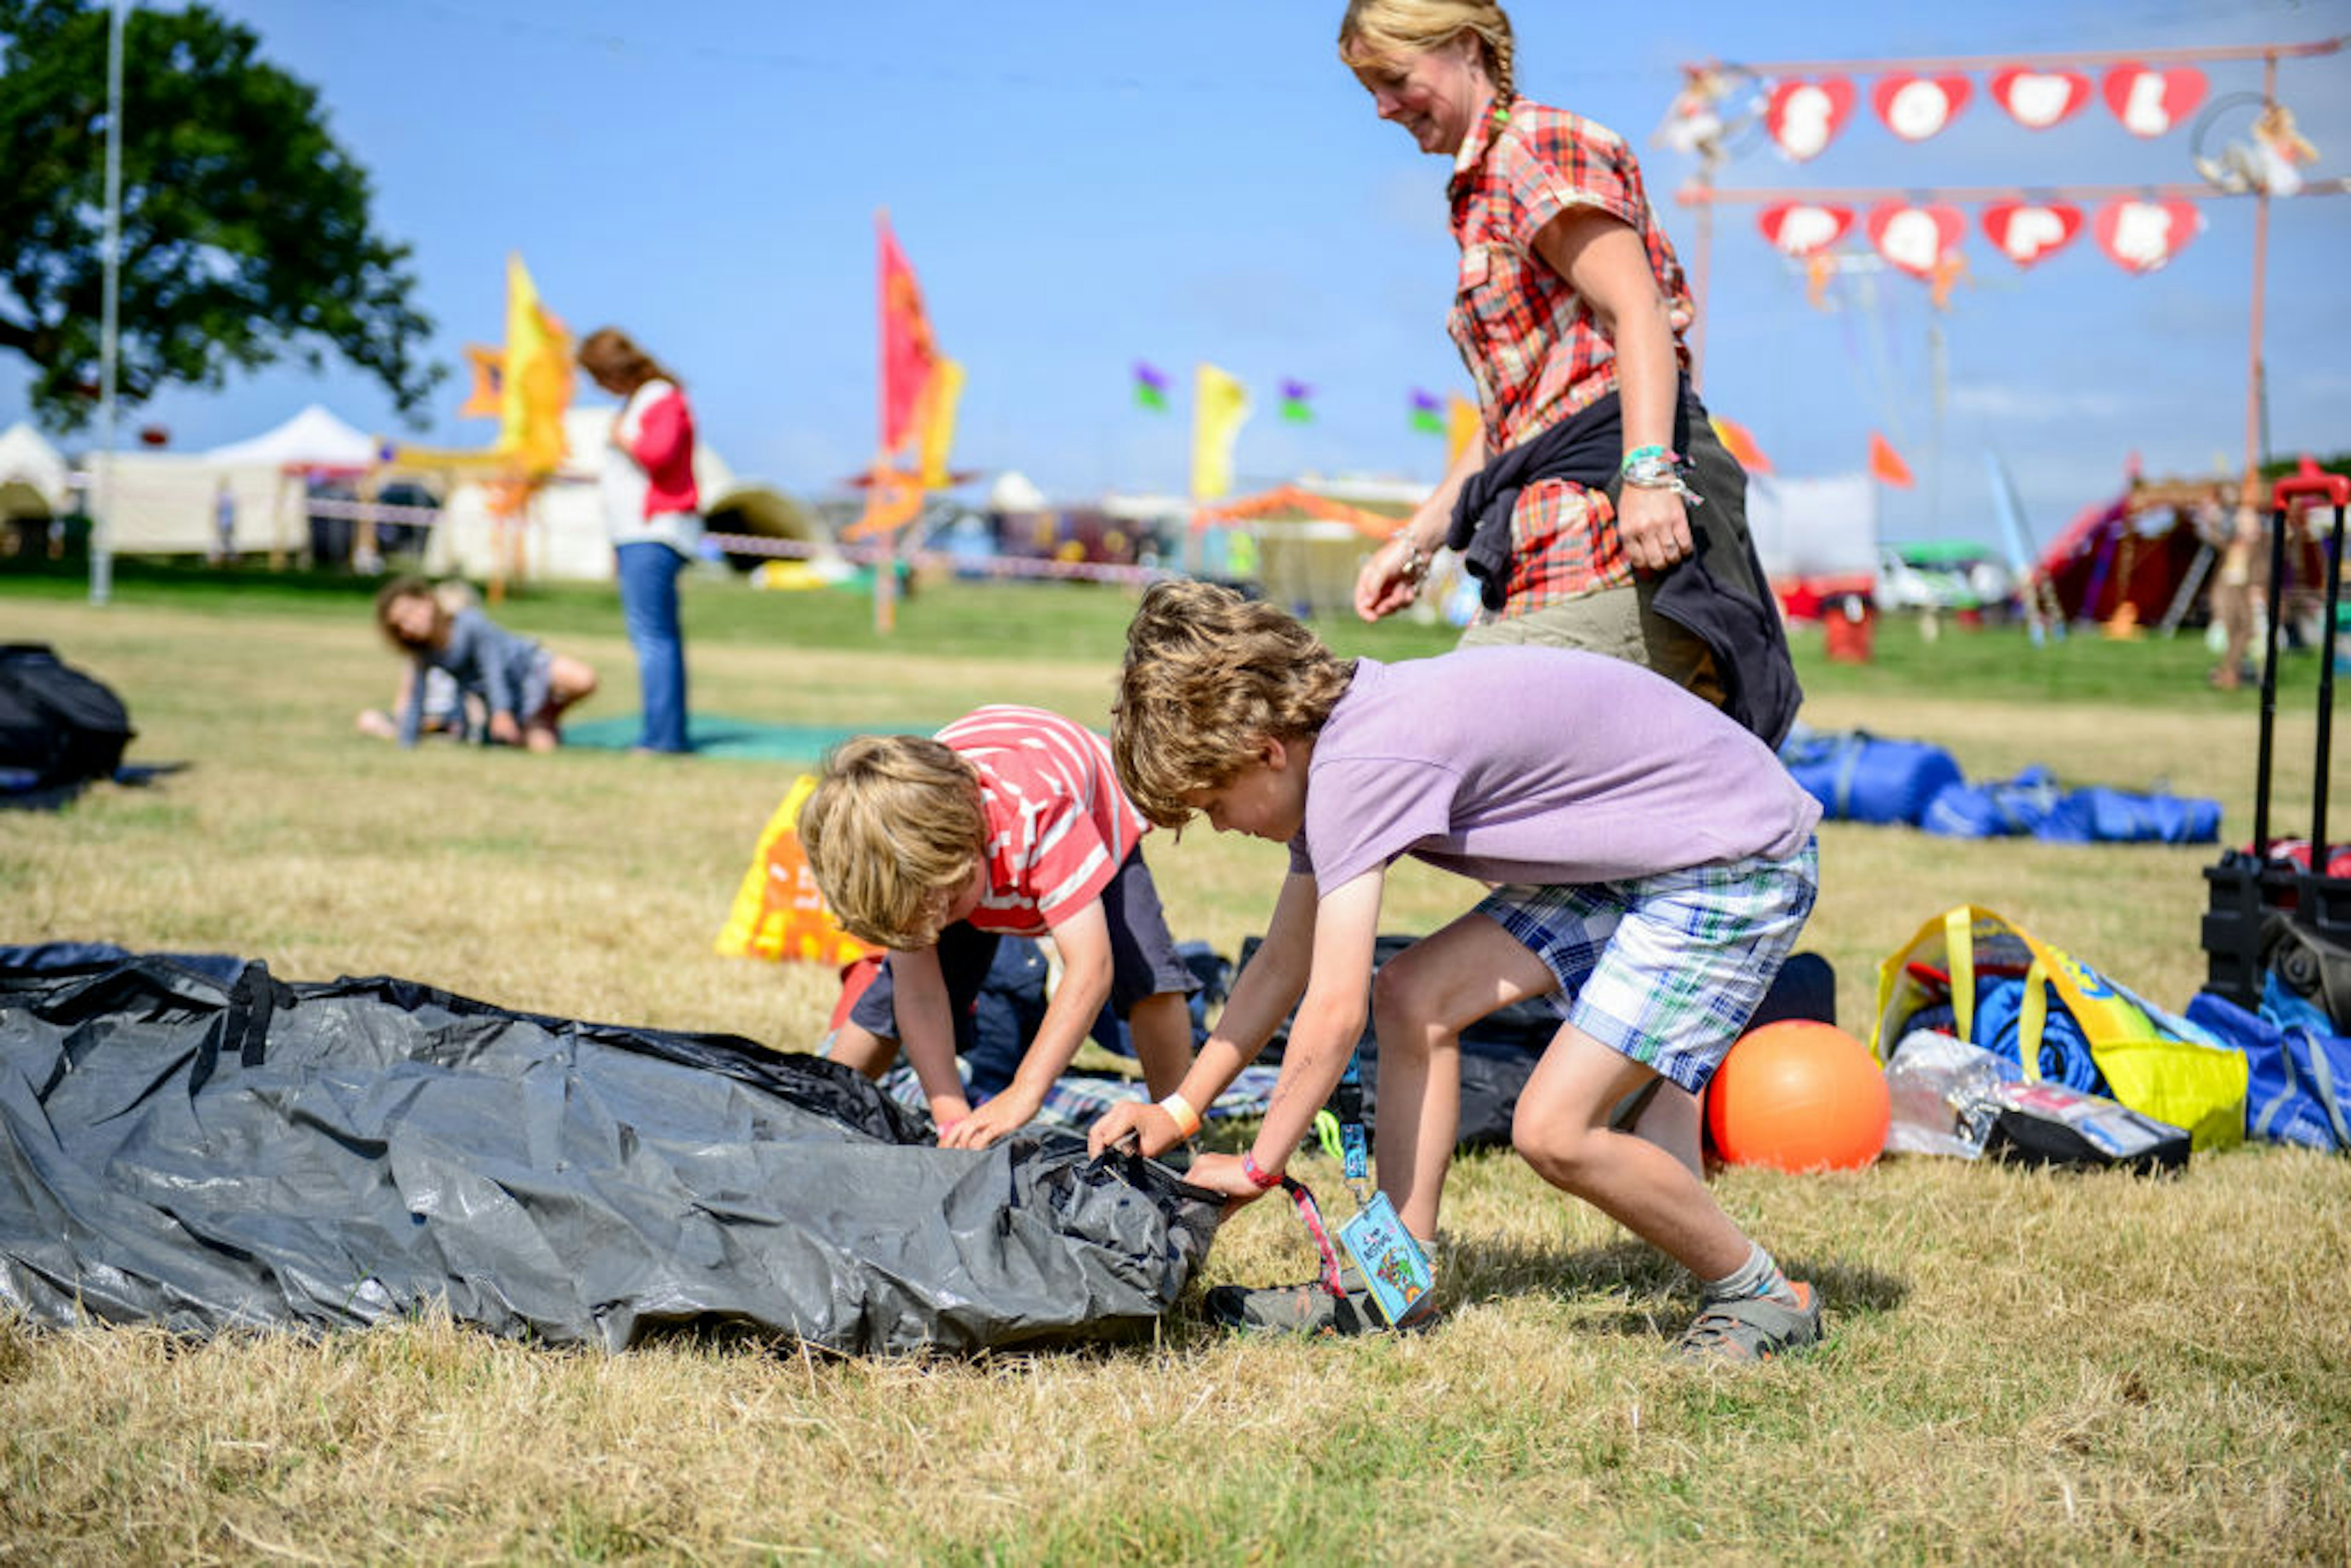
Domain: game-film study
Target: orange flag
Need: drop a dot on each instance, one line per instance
(908, 354)
(1739, 443)
(1885, 464)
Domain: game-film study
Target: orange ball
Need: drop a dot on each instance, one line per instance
(1799, 1095)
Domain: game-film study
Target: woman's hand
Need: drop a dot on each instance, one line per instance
(1388, 582)
(1653, 525)
(504, 730)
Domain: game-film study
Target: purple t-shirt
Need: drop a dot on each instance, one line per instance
(1541, 766)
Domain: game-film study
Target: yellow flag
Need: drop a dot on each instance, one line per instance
(536, 387)
(1462, 426)
(940, 392)
(1219, 406)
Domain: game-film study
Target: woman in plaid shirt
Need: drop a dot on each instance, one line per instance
(1577, 509)
(1569, 314)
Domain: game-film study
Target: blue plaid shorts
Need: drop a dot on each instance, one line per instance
(1666, 969)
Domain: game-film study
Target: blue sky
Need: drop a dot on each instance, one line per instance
(1082, 183)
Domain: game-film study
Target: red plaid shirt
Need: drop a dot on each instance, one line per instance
(1531, 342)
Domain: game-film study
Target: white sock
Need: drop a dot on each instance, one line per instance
(1759, 1276)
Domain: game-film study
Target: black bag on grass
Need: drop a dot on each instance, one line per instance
(214, 1152)
(59, 727)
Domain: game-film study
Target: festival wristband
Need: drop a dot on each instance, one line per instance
(1644, 455)
(1187, 1120)
(1257, 1178)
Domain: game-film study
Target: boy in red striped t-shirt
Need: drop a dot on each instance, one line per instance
(1009, 822)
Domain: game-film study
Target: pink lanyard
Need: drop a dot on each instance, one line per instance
(1311, 1213)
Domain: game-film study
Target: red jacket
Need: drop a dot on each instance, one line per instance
(663, 447)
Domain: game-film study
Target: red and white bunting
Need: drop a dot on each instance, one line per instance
(2039, 99)
(2027, 232)
(1804, 117)
(1915, 238)
(1803, 228)
(2149, 102)
(2141, 235)
(1914, 108)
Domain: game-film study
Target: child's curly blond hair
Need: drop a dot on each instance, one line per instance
(1209, 675)
(893, 831)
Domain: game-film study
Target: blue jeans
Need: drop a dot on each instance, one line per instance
(649, 605)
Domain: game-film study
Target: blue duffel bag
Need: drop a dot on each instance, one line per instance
(1858, 777)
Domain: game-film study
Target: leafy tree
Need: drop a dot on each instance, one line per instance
(245, 233)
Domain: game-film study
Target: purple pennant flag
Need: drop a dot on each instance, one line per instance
(1150, 387)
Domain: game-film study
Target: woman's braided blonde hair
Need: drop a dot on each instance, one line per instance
(1380, 29)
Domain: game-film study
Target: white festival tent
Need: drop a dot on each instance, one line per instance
(563, 531)
(1812, 529)
(34, 480)
(167, 503)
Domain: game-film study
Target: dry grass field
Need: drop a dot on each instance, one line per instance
(2022, 1367)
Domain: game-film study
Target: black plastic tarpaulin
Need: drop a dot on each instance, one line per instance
(207, 1155)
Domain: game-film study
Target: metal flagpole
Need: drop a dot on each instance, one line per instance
(102, 556)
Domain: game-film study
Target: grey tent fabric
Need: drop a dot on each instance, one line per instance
(211, 1156)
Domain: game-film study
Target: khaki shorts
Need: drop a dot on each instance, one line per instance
(1616, 622)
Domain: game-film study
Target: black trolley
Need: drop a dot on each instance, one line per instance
(2257, 897)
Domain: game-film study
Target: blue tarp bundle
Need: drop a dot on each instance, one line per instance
(1861, 778)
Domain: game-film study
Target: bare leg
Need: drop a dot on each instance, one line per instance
(1421, 1000)
(858, 1046)
(1562, 1129)
(1672, 1121)
(1161, 1028)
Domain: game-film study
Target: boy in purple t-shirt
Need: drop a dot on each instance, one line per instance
(1651, 861)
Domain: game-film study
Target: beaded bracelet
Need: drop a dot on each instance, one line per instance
(1654, 468)
(1187, 1120)
(1415, 559)
(1257, 1177)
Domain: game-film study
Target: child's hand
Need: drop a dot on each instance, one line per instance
(1223, 1174)
(1008, 1112)
(1155, 1130)
(504, 730)
(946, 1111)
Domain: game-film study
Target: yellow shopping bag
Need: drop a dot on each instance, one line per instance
(2157, 1064)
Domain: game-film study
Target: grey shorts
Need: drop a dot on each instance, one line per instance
(1144, 960)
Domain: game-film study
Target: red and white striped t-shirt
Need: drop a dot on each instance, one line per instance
(1058, 826)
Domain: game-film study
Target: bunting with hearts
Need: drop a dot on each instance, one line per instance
(1805, 117)
(2150, 102)
(1915, 238)
(2028, 232)
(1915, 108)
(1803, 228)
(2037, 99)
(2141, 235)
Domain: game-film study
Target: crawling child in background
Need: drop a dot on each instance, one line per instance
(524, 689)
(1009, 822)
(1650, 863)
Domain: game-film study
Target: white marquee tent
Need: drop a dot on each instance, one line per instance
(34, 478)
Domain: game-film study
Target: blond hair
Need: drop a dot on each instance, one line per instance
(1208, 676)
(893, 831)
(1374, 31)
